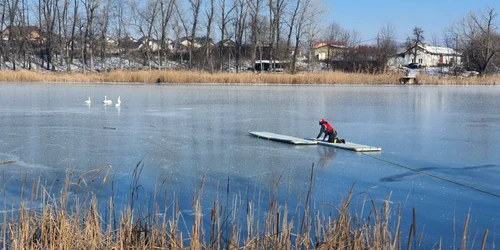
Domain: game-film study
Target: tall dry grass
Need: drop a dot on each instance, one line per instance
(82, 222)
(450, 80)
(199, 77)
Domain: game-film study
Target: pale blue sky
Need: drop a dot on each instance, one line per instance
(433, 16)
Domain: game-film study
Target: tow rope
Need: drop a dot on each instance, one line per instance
(434, 176)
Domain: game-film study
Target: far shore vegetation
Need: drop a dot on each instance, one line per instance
(202, 77)
(74, 218)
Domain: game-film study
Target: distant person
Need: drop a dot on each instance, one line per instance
(329, 131)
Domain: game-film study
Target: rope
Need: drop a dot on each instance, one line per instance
(435, 176)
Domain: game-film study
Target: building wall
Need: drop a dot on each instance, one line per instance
(321, 53)
(429, 60)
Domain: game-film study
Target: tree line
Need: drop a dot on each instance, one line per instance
(477, 37)
(211, 35)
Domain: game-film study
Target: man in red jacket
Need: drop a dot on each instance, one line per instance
(329, 131)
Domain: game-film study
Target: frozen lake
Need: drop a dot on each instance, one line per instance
(181, 133)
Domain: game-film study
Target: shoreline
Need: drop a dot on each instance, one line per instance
(245, 78)
(78, 219)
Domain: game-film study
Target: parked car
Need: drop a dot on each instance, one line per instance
(414, 65)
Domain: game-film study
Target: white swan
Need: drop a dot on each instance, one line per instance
(88, 101)
(106, 101)
(118, 102)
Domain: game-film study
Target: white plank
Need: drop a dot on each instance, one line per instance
(310, 141)
(283, 138)
(349, 146)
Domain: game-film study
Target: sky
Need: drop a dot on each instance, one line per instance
(433, 16)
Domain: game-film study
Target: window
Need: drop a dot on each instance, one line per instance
(420, 60)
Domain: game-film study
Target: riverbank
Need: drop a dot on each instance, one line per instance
(74, 218)
(197, 77)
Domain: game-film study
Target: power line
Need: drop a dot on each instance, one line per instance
(371, 39)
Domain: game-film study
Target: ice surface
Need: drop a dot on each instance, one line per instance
(181, 133)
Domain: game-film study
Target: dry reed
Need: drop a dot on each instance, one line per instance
(78, 222)
(201, 77)
(198, 77)
(452, 80)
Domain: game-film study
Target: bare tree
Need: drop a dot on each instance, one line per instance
(276, 10)
(294, 15)
(13, 11)
(386, 45)
(352, 38)
(307, 13)
(73, 29)
(334, 35)
(311, 33)
(478, 39)
(121, 32)
(2, 27)
(255, 9)
(414, 41)
(195, 8)
(208, 46)
(49, 9)
(62, 25)
(167, 9)
(226, 12)
(240, 21)
(26, 43)
(90, 9)
(103, 20)
(179, 26)
(144, 19)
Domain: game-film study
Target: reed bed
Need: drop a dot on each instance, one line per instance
(452, 80)
(202, 77)
(199, 77)
(82, 222)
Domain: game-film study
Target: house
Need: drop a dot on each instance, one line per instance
(129, 39)
(29, 33)
(328, 50)
(300, 52)
(427, 56)
(111, 41)
(198, 42)
(129, 43)
(148, 43)
(227, 43)
(111, 45)
(170, 44)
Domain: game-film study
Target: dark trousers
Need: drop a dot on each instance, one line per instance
(332, 135)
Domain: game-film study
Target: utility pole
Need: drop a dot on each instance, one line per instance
(378, 40)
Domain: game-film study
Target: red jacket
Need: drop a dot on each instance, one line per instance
(328, 127)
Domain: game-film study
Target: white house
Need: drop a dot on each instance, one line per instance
(427, 56)
(147, 43)
(198, 42)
